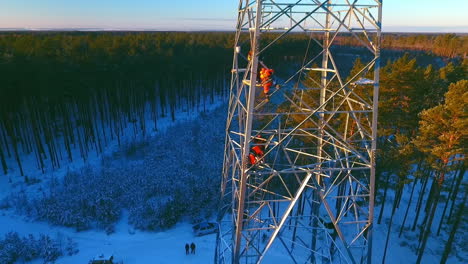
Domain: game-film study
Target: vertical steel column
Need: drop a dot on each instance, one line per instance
(375, 112)
(248, 133)
(321, 123)
(324, 83)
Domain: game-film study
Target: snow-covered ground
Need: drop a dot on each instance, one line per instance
(126, 243)
(139, 247)
(136, 248)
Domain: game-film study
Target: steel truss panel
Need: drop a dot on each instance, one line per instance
(310, 197)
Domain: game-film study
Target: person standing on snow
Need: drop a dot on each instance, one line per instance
(192, 246)
(187, 247)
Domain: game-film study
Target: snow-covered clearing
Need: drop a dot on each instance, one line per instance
(126, 243)
(136, 248)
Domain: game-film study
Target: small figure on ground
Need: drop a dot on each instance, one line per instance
(192, 247)
(187, 247)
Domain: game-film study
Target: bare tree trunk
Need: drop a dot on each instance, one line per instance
(395, 203)
(461, 173)
(2, 159)
(427, 230)
(429, 205)
(10, 131)
(3, 135)
(455, 226)
(445, 206)
(387, 182)
(418, 205)
(407, 208)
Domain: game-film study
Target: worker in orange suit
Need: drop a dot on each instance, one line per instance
(257, 151)
(252, 159)
(266, 77)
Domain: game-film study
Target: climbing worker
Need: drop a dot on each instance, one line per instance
(187, 247)
(192, 247)
(266, 77)
(249, 56)
(252, 159)
(257, 151)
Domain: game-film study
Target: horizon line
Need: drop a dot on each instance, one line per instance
(98, 29)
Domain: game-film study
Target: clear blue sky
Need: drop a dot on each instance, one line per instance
(399, 15)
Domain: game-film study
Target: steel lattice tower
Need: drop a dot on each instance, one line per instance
(310, 197)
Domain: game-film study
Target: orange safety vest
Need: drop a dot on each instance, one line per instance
(252, 159)
(258, 150)
(267, 81)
